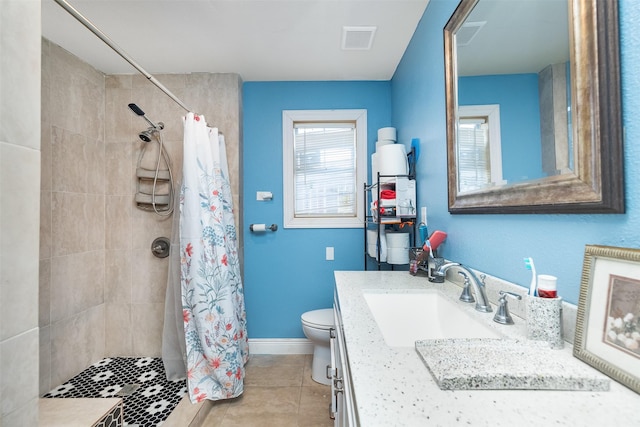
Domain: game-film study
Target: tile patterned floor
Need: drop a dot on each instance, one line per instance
(278, 392)
(149, 401)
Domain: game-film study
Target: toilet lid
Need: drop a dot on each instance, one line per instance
(319, 318)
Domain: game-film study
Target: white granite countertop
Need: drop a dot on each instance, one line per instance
(393, 386)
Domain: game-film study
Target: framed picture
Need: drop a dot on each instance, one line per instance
(608, 322)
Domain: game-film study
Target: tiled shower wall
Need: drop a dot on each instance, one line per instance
(101, 289)
(19, 205)
(72, 253)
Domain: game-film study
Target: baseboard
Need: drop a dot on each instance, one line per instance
(280, 346)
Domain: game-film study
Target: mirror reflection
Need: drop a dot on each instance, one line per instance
(514, 93)
(534, 120)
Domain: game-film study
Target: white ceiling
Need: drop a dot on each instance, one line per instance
(261, 40)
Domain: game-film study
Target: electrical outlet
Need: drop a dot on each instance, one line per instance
(329, 253)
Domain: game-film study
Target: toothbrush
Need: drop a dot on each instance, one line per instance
(428, 244)
(528, 262)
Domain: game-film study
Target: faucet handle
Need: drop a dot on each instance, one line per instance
(502, 315)
(466, 291)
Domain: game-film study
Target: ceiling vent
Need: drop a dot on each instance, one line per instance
(468, 32)
(357, 38)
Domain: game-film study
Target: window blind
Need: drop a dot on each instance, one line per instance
(325, 169)
(474, 163)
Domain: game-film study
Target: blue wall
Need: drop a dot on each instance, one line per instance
(286, 272)
(517, 95)
(497, 243)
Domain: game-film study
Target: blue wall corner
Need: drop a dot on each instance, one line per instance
(498, 243)
(517, 95)
(286, 272)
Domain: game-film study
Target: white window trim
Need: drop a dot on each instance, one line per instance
(289, 117)
(492, 111)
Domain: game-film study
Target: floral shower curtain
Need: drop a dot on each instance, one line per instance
(212, 292)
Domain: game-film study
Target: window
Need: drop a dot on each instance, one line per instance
(479, 148)
(325, 153)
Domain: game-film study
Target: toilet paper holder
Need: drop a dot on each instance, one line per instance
(256, 228)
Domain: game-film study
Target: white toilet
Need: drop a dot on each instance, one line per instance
(316, 325)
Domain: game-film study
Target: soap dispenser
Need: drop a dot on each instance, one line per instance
(502, 314)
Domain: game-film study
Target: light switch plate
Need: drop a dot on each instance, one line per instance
(329, 253)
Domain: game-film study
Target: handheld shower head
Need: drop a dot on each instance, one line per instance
(136, 109)
(145, 135)
(140, 113)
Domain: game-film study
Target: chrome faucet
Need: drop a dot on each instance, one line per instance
(482, 303)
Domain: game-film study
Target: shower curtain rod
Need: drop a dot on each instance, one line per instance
(102, 36)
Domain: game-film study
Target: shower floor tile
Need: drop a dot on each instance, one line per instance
(148, 397)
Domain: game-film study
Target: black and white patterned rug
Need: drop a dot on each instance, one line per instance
(141, 382)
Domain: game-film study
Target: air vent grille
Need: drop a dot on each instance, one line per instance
(468, 32)
(357, 38)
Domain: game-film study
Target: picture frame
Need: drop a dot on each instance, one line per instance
(608, 320)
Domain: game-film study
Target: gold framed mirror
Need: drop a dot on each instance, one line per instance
(578, 167)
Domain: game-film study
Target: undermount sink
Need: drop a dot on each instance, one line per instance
(407, 317)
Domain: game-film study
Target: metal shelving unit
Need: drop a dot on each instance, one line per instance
(382, 219)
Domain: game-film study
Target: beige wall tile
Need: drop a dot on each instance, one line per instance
(94, 165)
(77, 163)
(45, 360)
(68, 223)
(18, 370)
(68, 162)
(46, 156)
(146, 329)
(119, 168)
(158, 107)
(77, 95)
(77, 284)
(149, 277)
(118, 222)
(45, 84)
(44, 293)
(118, 81)
(118, 331)
(73, 100)
(45, 225)
(147, 226)
(173, 82)
(19, 247)
(94, 222)
(118, 276)
(76, 342)
(119, 118)
(77, 223)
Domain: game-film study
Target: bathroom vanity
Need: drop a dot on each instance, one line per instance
(381, 379)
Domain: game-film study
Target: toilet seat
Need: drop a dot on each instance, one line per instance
(320, 319)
